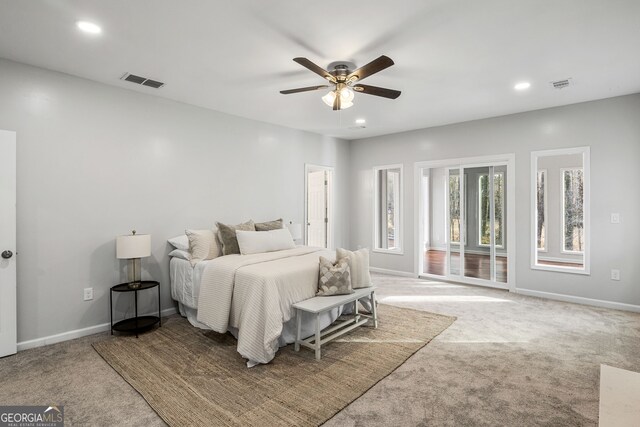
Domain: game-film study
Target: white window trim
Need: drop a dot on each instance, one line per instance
(376, 211)
(479, 209)
(562, 217)
(586, 167)
(546, 208)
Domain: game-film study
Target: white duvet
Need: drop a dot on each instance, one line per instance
(254, 294)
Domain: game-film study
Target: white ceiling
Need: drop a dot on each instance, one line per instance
(455, 60)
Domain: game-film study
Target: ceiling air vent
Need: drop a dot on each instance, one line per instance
(141, 80)
(561, 84)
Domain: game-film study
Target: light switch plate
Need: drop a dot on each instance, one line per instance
(615, 218)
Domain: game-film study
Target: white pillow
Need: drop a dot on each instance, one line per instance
(180, 242)
(256, 242)
(359, 264)
(179, 253)
(203, 244)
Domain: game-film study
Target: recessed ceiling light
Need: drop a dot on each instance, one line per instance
(89, 27)
(522, 86)
(360, 121)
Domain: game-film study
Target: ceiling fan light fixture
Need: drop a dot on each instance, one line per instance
(343, 80)
(329, 98)
(346, 98)
(346, 94)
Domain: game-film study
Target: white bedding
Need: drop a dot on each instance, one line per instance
(253, 294)
(259, 345)
(185, 281)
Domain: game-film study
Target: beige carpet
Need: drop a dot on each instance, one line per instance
(194, 378)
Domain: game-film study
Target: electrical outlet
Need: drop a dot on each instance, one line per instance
(88, 294)
(615, 274)
(615, 218)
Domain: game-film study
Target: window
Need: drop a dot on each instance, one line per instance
(541, 210)
(388, 202)
(573, 212)
(454, 207)
(484, 214)
(560, 214)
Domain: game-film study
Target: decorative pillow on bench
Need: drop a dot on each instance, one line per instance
(334, 279)
(359, 265)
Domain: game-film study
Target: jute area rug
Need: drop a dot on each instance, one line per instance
(195, 378)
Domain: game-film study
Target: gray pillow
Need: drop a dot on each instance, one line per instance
(269, 225)
(335, 278)
(227, 236)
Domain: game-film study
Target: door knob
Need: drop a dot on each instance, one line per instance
(7, 254)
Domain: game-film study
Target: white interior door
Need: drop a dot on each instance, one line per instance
(8, 336)
(317, 208)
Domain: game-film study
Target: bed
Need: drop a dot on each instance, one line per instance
(251, 296)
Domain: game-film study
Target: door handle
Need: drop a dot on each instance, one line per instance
(7, 254)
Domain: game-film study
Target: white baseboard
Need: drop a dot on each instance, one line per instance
(391, 272)
(580, 300)
(78, 333)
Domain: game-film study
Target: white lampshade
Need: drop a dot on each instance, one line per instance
(133, 246)
(295, 230)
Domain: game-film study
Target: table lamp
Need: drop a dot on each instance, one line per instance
(133, 247)
(295, 230)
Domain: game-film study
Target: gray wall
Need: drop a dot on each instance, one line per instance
(94, 161)
(612, 129)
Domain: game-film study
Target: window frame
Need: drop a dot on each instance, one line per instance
(585, 151)
(399, 249)
(479, 225)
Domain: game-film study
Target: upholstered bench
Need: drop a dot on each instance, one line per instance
(319, 305)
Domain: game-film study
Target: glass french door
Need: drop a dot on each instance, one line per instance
(475, 200)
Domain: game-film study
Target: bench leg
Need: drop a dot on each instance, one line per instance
(317, 336)
(374, 310)
(298, 332)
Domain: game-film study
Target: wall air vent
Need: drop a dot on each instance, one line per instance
(561, 84)
(141, 80)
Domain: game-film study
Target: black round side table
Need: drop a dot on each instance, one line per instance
(137, 323)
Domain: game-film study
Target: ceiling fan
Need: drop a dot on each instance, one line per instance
(344, 82)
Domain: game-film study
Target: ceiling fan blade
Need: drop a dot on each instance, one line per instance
(336, 102)
(377, 91)
(303, 89)
(316, 69)
(371, 68)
